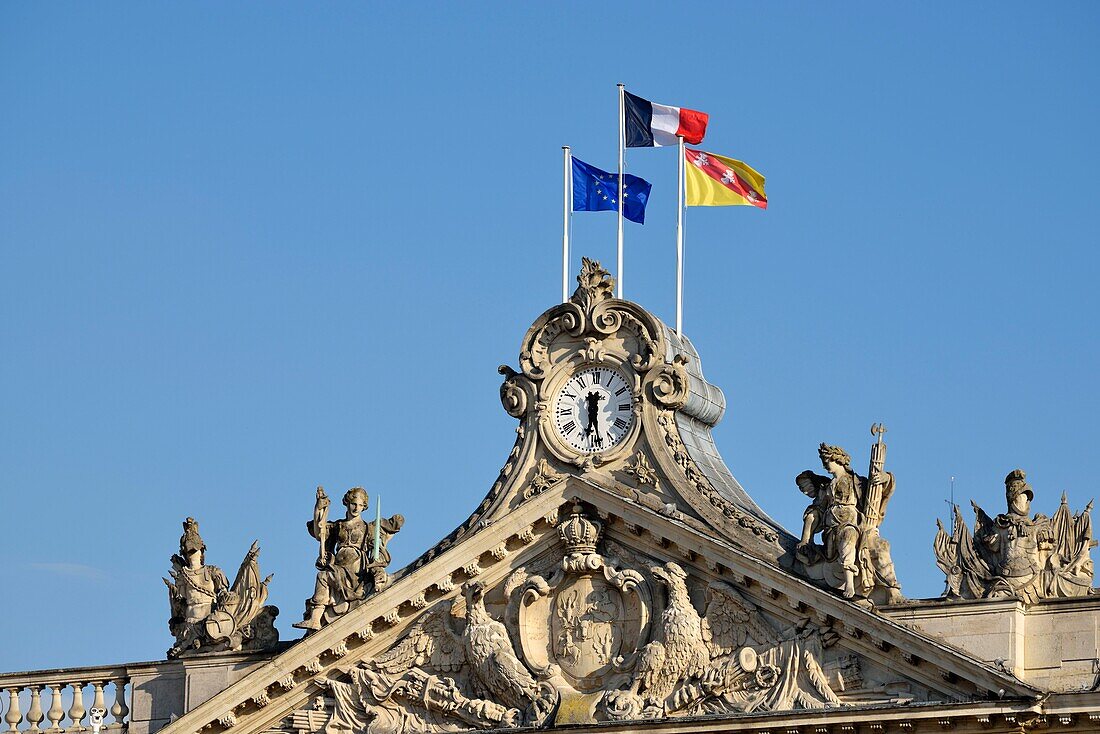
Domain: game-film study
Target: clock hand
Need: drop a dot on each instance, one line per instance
(593, 401)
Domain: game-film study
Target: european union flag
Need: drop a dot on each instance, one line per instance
(596, 191)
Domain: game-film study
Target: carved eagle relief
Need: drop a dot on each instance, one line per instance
(446, 672)
(457, 667)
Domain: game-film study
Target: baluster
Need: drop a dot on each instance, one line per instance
(119, 710)
(14, 715)
(56, 712)
(97, 700)
(77, 712)
(35, 715)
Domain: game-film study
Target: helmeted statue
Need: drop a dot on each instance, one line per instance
(209, 615)
(847, 511)
(1016, 554)
(352, 560)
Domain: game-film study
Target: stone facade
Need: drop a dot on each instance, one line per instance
(617, 576)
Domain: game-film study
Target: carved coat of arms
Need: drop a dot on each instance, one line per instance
(597, 615)
(582, 639)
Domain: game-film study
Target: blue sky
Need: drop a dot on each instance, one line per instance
(248, 249)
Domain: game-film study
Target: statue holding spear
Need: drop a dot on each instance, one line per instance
(352, 560)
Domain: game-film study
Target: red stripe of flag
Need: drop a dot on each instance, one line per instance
(693, 125)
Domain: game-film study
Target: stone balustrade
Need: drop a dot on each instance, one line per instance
(66, 700)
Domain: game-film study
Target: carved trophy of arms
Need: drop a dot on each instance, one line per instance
(472, 675)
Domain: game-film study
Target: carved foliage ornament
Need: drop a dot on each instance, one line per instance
(543, 479)
(666, 421)
(582, 637)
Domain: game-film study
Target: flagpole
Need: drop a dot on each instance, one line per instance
(680, 237)
(566, 210)
(622, 146)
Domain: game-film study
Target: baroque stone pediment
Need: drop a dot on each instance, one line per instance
(662, 457)
(584, 605)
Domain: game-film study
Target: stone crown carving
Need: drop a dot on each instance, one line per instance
(593, 633)
(579, 534)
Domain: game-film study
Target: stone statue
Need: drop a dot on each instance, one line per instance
(1016, 554)
(209, 615)
(847, 511)
(352, 560)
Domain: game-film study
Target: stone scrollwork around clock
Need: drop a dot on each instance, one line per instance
(592, 313)
(582, 636)
(668, 384)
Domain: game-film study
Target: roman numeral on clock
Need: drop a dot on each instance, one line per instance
(569, 427)
(620, 391)
(620, 423)
(624, 406)
(595, 378)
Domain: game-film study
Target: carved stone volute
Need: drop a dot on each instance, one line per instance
(668, 385)
(516, 392)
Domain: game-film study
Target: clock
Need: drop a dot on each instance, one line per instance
(594, 410)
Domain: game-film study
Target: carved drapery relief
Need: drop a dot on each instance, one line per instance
(1016, 554)
(210, 615)
(847, 511)
(593, 632)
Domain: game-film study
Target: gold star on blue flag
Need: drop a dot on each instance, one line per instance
(595, 191)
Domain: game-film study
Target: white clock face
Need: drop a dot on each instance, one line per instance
(594, 410)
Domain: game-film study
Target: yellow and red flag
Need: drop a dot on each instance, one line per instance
(714, 180)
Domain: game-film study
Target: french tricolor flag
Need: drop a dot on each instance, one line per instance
(649, 124)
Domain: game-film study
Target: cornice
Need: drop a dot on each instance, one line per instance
(268, 693)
